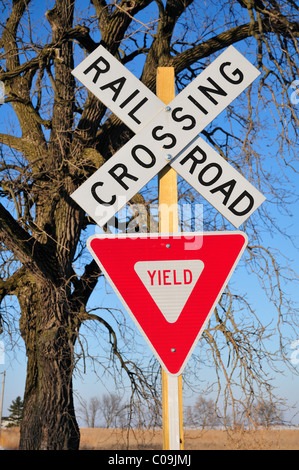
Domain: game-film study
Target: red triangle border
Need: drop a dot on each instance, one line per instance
(172, 343)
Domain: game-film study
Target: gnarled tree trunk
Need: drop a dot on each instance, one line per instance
(49, 332)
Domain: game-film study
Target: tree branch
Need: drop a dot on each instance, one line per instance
(25, 247)
(17, 143)
(8, 39)
(85, 286)
(79, 33)
(10, 285)
(219, 42)
(135, 374)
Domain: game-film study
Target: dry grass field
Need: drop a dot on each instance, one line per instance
(118, 439)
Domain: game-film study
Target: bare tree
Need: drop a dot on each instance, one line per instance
(267, 414)
(111, 409)
(60, 134)
(203, 414)
(89, 411)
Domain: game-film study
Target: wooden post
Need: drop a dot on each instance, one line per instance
(172, 394)
(1, 409)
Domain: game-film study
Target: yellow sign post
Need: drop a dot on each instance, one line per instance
(172, 389)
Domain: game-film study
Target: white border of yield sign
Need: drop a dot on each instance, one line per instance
(163, 136)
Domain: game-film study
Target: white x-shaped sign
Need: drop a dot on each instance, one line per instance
(167, 135)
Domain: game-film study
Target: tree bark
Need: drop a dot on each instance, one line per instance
(49, 421)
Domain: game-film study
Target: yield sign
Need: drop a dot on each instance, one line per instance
(170, 285)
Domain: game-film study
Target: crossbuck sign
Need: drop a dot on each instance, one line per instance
(167, 135)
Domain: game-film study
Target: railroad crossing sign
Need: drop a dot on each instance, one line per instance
(169, 292)
(167, 135)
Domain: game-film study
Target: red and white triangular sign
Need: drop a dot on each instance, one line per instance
(169, 284)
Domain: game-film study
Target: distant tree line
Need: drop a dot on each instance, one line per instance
(110, 411)
(205, 414)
